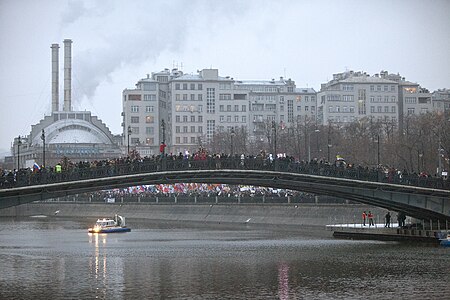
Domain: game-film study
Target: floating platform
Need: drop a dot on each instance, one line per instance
(386, 234)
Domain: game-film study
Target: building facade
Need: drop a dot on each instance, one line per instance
(64, 134)
(195, 107)
(384, 97)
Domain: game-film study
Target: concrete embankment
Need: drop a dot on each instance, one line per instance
(276, 214)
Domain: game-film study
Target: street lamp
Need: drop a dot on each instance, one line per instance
(19, 142)
(43, 147)
(274, 129)
(309, 143)
(129, 133)
(163, 143)
(232, 144)
(378, 149)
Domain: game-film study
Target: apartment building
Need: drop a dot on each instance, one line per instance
(197, 106)
(383, 97)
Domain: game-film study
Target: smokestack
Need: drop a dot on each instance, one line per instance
(67, 75)
(55, 77)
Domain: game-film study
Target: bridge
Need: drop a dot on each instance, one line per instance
(421, 198)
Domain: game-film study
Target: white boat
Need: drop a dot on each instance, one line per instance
(107, 225)
(446, 240)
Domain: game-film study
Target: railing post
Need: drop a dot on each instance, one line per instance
(217, 199)
(195, 199)
(175, 201)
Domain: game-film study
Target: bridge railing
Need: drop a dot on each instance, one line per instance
(26, 177)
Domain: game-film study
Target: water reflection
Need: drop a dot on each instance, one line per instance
(283, 281)
(106, 273)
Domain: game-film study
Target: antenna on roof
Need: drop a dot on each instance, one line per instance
(284, 73)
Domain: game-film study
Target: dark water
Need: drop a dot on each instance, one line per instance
(55, 258)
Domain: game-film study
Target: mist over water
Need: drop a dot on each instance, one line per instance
(55, 258)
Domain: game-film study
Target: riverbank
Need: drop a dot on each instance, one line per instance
(274, 214)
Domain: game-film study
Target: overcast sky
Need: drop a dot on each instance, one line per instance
(115, 43)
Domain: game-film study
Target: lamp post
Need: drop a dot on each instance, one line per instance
(274, 129)
(19, 142)
(162, 147)
(232, 144)
(419, 158)
(309, 143)
(378, 149)
(129, 133)
(43, 147)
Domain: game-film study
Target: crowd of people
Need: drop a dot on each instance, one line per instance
(202, 159)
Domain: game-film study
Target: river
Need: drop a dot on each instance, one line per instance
(55, 258)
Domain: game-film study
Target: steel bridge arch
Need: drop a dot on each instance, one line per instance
(417, 202)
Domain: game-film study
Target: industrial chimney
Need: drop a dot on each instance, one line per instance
(55, 77)
(67, 75)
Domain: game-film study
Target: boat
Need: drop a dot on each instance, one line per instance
(446, 240)
(107, 225)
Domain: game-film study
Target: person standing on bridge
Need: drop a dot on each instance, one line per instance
(370, 215)
(388, 220)
(364, 216)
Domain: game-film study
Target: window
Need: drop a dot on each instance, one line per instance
(299, 108)
(200, 119)
(135, 130)
(392, 109)
(185, 139)
(236, 108)
(192, 119)
(372, 88)
(386, 98)
(200, 97)
(222, 119)
(372, 98)
(149, 130)
(386, 109)
(211, 103)
(192, 86)
(244, 108)
(192, 97)
(185, 119)
(134, 97)
(372, 109)
(177, 119)
(200, 129)
(149, 119)
(244, 119)
(177, 86)
(177, 97)
(228, 107)
(379, 108)
(134, 119)
(149, 109)
(228, 119)
(224, 96)
(193, 129)
(185, 97)
(177, 129)
(184, 86)
(392, 88)
(135, 141)
(149, 141)
(385, 88)
(378, 88)
(410, 110)
(393, 99)
(200, 86)
(221, 108)
(134, 109)
(178, 140)
(236, 119)
(149, 97)
(185, 129)
(192, 139)
(330, 108)
(352, 109)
